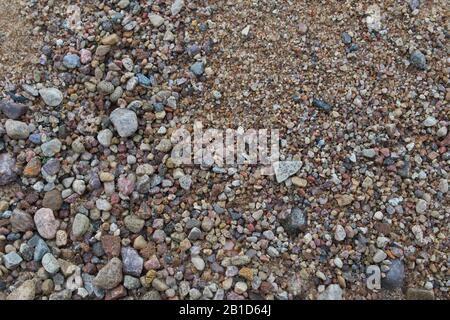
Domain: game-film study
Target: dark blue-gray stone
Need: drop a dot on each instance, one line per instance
(346, 38)
(198, 68)
(395, 276)
(322, 105)
(295, 221)
(418, 60)
(71, 61)
(40, 250)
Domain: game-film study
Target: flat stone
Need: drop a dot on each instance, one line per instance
(419, 294)
(21, 221)
(133, 223)
(285, 169)
(12, 260)
(111, 245)
(176, 7)
(26, 291)
(110, 276)
(111, 40)
(52, 200)
(50, 148)
(13, 110)
(156, 20)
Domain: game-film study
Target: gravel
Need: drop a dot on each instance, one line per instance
(93, 205)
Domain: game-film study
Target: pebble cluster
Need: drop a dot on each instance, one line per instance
(92, 206)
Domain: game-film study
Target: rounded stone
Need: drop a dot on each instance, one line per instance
(124, 121)
(51, 96)
(46, 224)
(17, 130)
(80, 225)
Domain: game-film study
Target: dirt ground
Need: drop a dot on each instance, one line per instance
(18, 45)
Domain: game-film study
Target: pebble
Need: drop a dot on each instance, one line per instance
(379, 256)
(132, 262)
(418, 60)
(134, 224)
(284, 169)
(156, 20)
(419, 294)
(198, 68)
(421, 206)
(110, 276)
(198, 263)
(395, 276)
(51, 96)
(46, 224)
(50, 263)
(124, 121)
(364, 194)
(295, 221)
(302, 28)
(71, 61)
(240, 287)
(12, 260)
(105, 87)
(13, 110)
(21, 221)
(332, 292)
(26, 291)
(322, 105)
(51, 148)
(430, 122)
(16, 129)
(346, 38)
(185, 182)
(339, 233)
(80, 225)
(7, 169)
(176, 7)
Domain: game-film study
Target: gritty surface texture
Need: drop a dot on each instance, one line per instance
(19, 47)
(360, 100)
